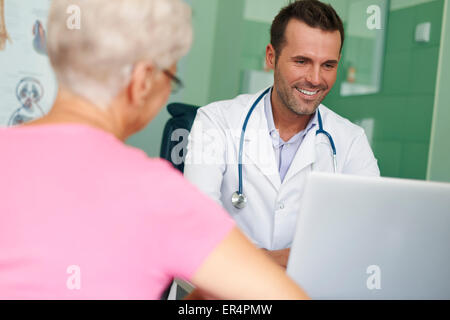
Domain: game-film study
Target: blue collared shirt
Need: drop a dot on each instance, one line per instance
(284, 151)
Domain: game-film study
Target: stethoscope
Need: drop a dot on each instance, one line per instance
(239, 199)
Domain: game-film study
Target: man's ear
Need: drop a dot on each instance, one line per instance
(270, 57)
(140, 84)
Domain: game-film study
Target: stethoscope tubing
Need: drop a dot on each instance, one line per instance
(241, 143)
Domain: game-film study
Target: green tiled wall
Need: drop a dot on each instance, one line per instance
(402, 110)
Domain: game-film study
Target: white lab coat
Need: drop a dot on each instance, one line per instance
(269, 219)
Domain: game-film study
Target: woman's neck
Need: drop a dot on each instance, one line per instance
(70, 108)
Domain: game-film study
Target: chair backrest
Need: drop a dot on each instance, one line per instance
(176, 131)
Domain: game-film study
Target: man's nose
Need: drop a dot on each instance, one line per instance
(313, 76)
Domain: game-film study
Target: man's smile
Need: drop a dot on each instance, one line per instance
(308, 94)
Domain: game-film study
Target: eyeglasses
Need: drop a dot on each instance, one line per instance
(177, 84)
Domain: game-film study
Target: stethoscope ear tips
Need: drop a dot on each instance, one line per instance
(239, 200)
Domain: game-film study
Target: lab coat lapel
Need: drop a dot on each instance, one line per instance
(258, 148)
(305, 156)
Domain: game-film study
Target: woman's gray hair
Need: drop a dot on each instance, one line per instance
(95, 58)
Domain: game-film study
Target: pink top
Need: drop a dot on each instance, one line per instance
(83, 216)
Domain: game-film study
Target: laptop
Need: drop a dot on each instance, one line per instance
(372, 238)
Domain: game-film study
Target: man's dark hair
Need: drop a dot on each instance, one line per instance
(312, 12)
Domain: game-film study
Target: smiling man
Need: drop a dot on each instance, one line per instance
(253, 154)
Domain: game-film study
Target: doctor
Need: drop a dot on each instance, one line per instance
(282, 133)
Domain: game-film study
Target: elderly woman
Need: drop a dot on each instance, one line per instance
(82, 215)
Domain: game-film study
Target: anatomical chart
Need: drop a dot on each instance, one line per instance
(27, 82)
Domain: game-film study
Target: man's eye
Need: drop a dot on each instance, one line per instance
(329, 66)
(300, 61)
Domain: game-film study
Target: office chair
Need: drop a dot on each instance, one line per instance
(183, 116)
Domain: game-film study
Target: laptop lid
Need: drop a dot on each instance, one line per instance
(372, 238)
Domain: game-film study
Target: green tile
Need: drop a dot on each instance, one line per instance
(400, 35)
(424, 70)
(389, 155)
(333, 95)
(397, 73)
(346, 107)
(414, 161)
(417, 119)
(388, 116)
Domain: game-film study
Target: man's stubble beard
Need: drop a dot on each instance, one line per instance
(299, 108)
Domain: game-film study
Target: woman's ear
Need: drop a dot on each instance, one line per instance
(140, 84)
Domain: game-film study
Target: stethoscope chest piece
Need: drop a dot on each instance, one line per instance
(239, 200)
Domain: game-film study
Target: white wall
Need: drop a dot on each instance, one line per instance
(439, 155)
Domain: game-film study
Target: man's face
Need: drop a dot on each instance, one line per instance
(306, 68)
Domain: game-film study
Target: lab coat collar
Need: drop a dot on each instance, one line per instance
(255, 121)
(305, 156)
(306, 153)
